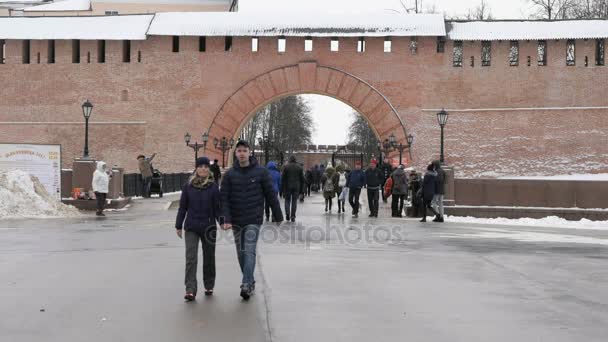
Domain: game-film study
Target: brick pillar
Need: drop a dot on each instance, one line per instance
(449, 198)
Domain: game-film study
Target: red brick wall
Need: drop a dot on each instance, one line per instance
(171, 93)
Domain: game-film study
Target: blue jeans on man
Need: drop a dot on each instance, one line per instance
(246, 240)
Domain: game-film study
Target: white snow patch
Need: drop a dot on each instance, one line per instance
(23, 196)
(550, 221)
(527, 30)
(580, 177)
(526, 236)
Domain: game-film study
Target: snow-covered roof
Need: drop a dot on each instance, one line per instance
(527, 30)
(289, 24)
(126, 27)
(62, 6)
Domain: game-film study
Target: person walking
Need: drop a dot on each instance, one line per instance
(439, 191)
(101, 186)
(309, 180)
(292, 185)
(399, 191)
(244, 189)
(276, 185)
(429, 183)
(316, 174)
(386, 168)
(414, 184)
(145, 169)
(216, 171)
(373, 182)
(341, 185)
(330, 184)
(199, 207)
(354, 182)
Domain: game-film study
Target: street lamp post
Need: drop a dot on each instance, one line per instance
(400, 147)
(223, 145)
(196, 146)
(442, 118)
(87, 108)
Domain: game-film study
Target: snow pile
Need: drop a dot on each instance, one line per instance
(22, 195)
(550, 221)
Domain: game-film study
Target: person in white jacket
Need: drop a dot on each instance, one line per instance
(101, 184)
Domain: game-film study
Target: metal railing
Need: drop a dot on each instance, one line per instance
(171, 182)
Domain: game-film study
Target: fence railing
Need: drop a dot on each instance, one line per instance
(171, 182)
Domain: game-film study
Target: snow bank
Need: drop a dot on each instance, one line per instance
(550, 221)
(22, 195)
(578, 177)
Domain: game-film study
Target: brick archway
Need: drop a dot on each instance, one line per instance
(307, 78)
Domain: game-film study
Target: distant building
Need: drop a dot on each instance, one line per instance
(115, 7)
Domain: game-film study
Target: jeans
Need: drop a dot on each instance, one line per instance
(208, 245)
(426, 204)
(147, 182)
(397, 204)
(267, 207)
(438, 204)
(353, 199)
(291, 202)
(372, 199)
(245, 240)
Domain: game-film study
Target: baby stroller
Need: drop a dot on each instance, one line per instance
(156, 185)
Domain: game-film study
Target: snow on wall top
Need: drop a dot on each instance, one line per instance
(317, 25)
(127, 27)
(66, 5)
(527, 30)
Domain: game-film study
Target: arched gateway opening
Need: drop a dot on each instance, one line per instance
(307, 78)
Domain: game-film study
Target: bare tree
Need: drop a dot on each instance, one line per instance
(414, 7)
(481, 12)
(362, 135)
(287, 123)
(554, 9)
(590, 9)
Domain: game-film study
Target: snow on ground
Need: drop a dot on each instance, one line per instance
(551, 221)
(23, 196)
(578, 177)
(527, 236)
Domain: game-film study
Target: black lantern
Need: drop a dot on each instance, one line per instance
(442, 118)
(87, 109)
(196, 146)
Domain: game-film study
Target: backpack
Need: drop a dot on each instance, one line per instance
(342, 181)
(329, 185)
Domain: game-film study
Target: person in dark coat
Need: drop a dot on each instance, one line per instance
(398, 191)
(316, 174)
(309, 180)
(216, 171)
(374, 183)
(414, 184)
(244, 189)
(386, 168)
(439, 191)
(276, 185)
(354, 182)
(429, 183)
(292, 185)
(199, 206)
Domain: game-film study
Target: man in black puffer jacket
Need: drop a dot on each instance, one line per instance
(292, 182)
(244, 188)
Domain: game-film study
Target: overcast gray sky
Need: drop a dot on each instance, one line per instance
(331, 116)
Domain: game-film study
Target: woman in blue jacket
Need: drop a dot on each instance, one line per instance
(199, 205)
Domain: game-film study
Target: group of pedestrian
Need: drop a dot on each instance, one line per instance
(432, 191)
(236, 205)
(249, 191)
